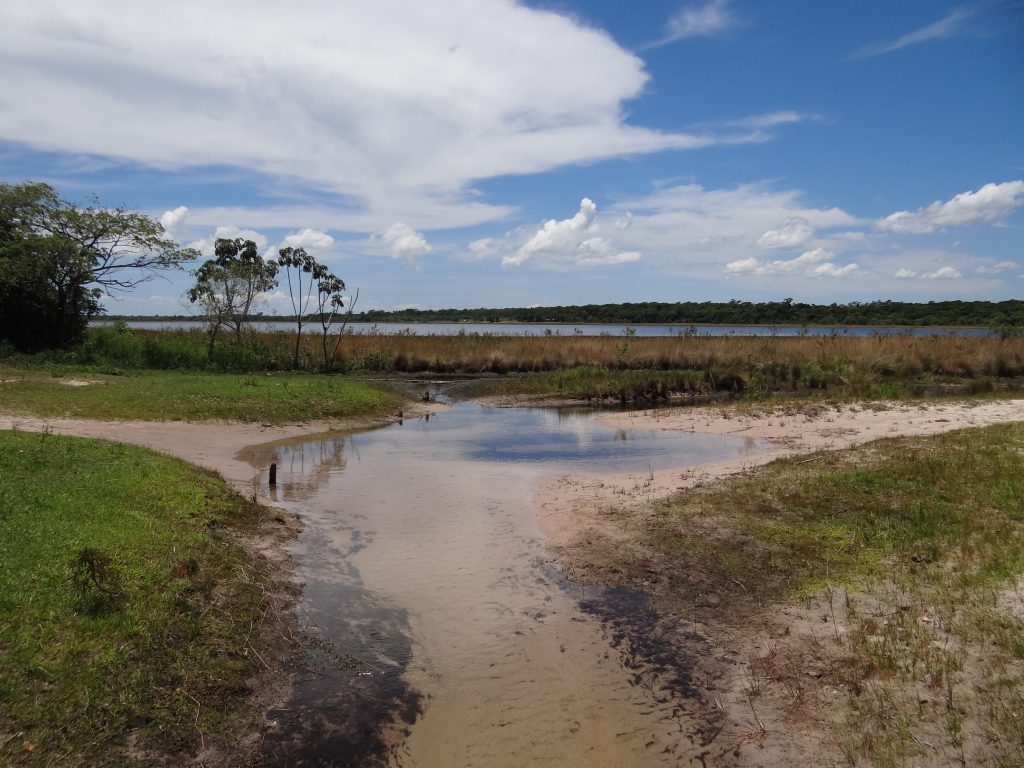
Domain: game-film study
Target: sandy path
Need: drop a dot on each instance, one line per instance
(568, 505)
(212, 445)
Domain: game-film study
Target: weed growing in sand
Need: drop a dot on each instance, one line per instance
(913, 548)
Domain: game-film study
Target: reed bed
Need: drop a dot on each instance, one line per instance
(624, 367)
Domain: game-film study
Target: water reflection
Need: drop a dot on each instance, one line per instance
(443, 640)
(553, 439)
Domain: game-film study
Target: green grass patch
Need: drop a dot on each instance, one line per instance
(179, 396)
(124, 603)
(946, 507)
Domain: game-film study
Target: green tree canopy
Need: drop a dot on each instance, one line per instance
(57, 259)
(228, 285)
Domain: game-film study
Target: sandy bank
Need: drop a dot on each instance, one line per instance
(212, 445)
(567, 504)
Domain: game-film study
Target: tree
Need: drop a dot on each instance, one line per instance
(296, 261)
(57, 260)
(228, 285)
(312, 282)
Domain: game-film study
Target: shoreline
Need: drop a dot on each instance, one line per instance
(568, 506)
(768, 669)
(564, 503)
(217, 447)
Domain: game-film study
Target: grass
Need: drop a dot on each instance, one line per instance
(918, 546)
(124, 605)
(180, 396)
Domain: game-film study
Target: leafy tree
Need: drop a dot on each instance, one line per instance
(309, 281)
(57, 260)
(304, 267)
(228, 285)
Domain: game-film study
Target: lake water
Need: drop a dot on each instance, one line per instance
(583, 329)
(445, 636)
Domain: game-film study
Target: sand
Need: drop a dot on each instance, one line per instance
(566, 503)
(567, 507)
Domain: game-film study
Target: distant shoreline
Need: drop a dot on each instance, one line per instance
(1005, 317)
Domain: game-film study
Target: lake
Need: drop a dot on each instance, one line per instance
(580, 329)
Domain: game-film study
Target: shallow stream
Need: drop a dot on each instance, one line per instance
(445, 635)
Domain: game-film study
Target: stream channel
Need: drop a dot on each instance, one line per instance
(444, 635)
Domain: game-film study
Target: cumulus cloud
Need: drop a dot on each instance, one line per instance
(310, 239)
(987, 205)
(943, 273)
(793, 233)
(948, 26)
(171, 219)
(398, 106)
(404, 242)
(600, 252)
(556, 237)
(701, 230)
(814, 263)
(905, 274)
(572, 242)
(708, 20)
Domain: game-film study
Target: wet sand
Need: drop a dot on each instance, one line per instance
(497, 660)
(486, 655)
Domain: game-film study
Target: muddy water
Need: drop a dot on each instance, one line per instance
(445, 637)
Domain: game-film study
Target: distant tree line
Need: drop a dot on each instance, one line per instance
(1003, 314)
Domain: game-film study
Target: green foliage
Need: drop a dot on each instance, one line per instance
(228, 286)
(57, 259)
(309, 274)
(178, 396)
(123, 604)
(910, 503)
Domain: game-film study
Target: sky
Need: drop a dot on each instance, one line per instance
(492, 153)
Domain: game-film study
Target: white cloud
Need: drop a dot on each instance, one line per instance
(393, 106)
(573, 242)
(310, 239)
(948, 26)
(996, 269)
(793, 233)
(771, 119)
(556, 237)
(600, 252)
(905, 274)
(697, 231)
(171, 219)
(713, 18)
(812, 263)
(989, 204)
(404, 242)
(485, 248)
(943, 273)
(833, 270)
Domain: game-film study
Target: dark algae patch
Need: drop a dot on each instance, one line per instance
(133, 626)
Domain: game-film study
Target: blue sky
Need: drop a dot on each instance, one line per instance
(464, 153)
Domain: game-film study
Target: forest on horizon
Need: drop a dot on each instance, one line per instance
(986, 314)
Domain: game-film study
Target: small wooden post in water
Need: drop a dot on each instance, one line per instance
(273, 475)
